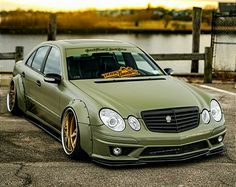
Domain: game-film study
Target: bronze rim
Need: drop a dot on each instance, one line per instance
(11, 97)
(70, 132)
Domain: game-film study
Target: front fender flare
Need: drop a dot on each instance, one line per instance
(82, 114)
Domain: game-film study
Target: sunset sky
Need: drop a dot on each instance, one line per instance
(55, 5)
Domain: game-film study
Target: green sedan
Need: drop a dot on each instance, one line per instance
(111, 101)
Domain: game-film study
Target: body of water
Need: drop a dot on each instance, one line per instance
(151, 43)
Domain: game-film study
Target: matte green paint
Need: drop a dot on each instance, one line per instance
(86, 98)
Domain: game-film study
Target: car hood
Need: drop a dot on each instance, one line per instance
(131, 96)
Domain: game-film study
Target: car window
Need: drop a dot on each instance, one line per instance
(142, 65)
(39, 58)
(95, 63)
(53, 63)
(30, 59)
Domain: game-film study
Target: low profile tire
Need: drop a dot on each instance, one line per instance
(70, 135)
(12, 105)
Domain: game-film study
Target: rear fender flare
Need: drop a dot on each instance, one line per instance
(20, 89)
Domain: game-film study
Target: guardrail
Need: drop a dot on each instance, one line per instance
(207, 57)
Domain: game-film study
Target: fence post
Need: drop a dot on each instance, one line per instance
(19, 53)
(208, 65)
(52, 27)
(196, 31)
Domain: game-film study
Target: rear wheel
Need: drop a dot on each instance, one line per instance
(12, 105)
(70, 135)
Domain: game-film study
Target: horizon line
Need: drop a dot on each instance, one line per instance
(104, 9)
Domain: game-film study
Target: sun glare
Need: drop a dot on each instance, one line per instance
(55, 5)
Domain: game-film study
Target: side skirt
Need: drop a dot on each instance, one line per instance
(55, 133)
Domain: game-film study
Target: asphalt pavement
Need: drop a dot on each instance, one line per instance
(30, 157)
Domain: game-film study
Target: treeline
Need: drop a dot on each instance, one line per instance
(150, 18)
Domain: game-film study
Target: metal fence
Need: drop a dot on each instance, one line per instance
(223, 41)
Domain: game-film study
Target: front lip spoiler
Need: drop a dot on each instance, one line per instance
(121, 163)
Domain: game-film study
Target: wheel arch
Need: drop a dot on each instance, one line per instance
(20, 90)
(80, 109)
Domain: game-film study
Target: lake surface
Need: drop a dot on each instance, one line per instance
(151, 43)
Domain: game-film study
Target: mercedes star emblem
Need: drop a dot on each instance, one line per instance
(168, 119)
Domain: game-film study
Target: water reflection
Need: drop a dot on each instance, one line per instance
(152, 43)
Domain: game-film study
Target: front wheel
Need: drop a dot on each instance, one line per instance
(12, 105)
(70, 135)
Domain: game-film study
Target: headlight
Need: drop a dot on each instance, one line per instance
(134, 123)
(216, 110)
(112, 119)
(205, 116)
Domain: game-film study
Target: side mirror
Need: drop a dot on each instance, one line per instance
(169, 71)
(52, 78)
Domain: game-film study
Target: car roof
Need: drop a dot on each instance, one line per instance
(80, 43)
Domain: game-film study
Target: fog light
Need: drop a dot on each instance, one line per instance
(220, 139)
(117, 151)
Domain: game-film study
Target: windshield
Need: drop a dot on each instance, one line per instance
(94, 63)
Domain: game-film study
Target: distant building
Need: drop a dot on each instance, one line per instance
(115, 13)
(227, 7)
(158, 12)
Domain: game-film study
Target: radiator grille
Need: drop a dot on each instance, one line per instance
(171, 120)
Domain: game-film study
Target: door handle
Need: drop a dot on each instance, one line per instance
(23, 74)
(38, 83)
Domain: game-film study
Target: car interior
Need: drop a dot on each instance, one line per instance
(85, 67)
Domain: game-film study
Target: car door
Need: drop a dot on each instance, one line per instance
(31, 76)
(49, 95)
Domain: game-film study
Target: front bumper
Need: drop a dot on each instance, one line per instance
(147, 147)
(161, 160)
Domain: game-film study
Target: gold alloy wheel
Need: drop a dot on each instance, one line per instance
(70, 132)
(11, 97)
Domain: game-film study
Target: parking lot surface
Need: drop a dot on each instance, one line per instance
(31, 157)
